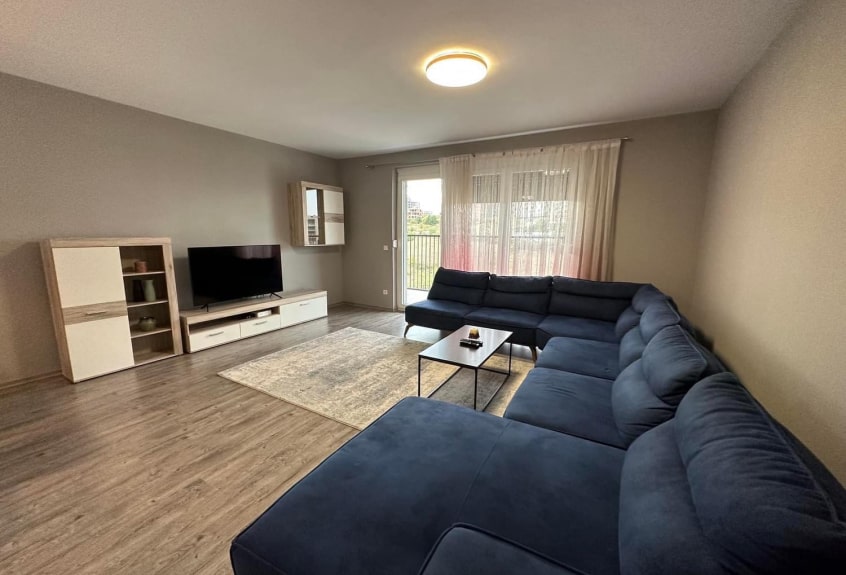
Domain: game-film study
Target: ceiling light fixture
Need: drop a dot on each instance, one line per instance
(456, 69)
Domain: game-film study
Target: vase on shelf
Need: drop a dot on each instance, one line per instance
(147, 323)
(149, 290)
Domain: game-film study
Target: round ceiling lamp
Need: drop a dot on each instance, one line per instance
(456, 69)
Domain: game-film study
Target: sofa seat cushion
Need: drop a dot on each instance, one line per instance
(554, 493)
(578, 327)
(522, 323)
(466, 549)
(459, 286)
(438, 314)
(757, 498)
(578, 405)
(582, 356)
(379, 504)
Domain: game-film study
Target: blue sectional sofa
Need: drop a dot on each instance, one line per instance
(635, 454)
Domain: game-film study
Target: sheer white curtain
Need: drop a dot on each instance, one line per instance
(547, 211)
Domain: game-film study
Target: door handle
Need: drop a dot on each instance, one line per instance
(101, 312)
(215, 334)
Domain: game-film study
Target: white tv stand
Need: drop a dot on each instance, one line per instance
(230, 322)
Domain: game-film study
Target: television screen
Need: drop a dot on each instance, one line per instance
(234, 272)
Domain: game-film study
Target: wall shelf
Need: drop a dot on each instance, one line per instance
(136, 333)
(144, 357)
(134, 304)
(139, 274)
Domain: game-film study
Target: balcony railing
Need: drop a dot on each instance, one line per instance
(423, 257)
(527, 255)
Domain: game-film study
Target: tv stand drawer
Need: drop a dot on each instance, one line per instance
(303, 310)
(212, 336)
(259, 325)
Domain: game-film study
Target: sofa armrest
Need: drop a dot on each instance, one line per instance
(467, 550)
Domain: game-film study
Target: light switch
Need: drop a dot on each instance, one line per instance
(385, 248)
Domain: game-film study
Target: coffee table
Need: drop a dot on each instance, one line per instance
(450, 352)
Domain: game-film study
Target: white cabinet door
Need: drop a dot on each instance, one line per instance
(88, 278)
(88, 275)
(99, 347)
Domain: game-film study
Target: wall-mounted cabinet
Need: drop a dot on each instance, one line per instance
(317, 214)
(110, 312)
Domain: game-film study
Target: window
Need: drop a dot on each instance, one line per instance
(531, 212)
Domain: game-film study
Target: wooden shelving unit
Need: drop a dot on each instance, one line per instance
(95, 309)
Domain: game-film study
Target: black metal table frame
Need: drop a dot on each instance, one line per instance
(507, 374)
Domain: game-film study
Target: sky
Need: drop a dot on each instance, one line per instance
(426, 192)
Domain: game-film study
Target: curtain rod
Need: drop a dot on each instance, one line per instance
(435, 160)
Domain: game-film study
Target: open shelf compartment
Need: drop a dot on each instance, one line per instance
(153, 347)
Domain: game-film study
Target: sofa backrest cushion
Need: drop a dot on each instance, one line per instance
(524, 293)
(590, 299)
(646, 295)
(460, 286)
(627, 320)
(659, 530)
(756, 498)
(648, 391)
(656, 317)
(631, 348)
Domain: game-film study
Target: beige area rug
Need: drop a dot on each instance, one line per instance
(354, 376)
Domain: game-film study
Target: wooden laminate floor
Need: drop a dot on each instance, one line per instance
(156, 469)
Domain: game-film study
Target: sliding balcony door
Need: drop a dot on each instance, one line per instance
(418, 252)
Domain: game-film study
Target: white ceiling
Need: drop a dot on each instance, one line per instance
(345, 78)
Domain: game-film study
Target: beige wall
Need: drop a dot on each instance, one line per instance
(72, 165)
(662, 184)
(771, 283)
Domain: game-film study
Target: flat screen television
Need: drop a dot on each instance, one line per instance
(234, 272)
